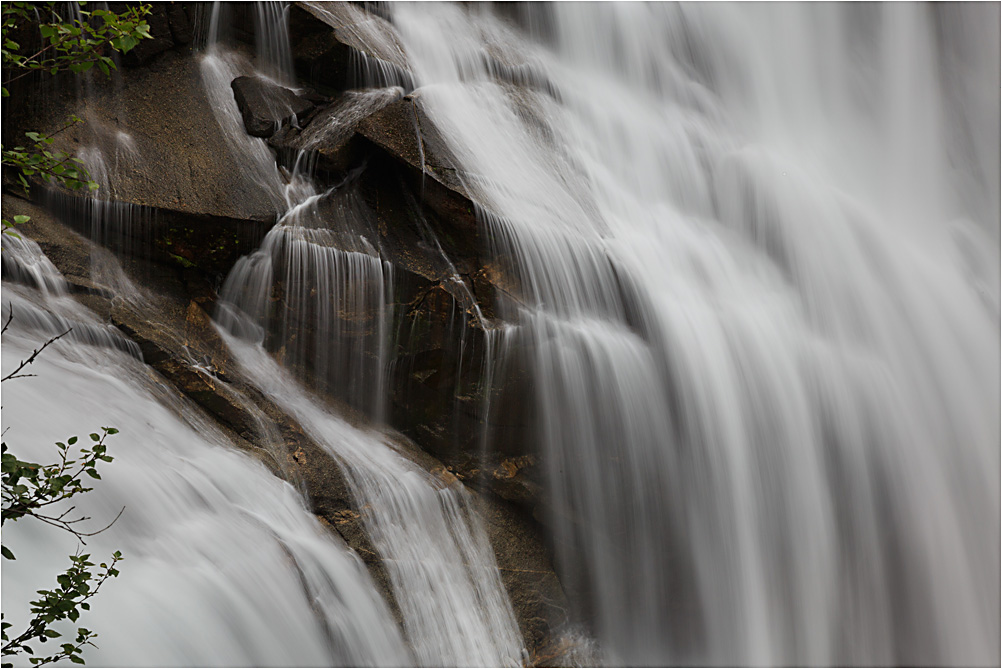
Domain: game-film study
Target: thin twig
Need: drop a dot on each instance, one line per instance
(31, 358)
(10, 317)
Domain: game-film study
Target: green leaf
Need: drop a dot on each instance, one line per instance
(21, 218)
(7, 553)
(94, 437)
(76, 659)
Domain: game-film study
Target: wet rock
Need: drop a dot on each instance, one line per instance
(330, 137)
(266, 106)
(403, 131)
(157, 135)
(180, 26)
(340, 45)
(537, 598)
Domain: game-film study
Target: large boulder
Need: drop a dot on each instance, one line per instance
(156, 135)
(403, 131)
(265, 106)
(331, 132)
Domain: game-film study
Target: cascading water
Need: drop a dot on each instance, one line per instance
(759, 257)
(454, 607)
(333, 296)
(224, 564)
(320, 264)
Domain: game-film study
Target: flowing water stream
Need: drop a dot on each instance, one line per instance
(759, 254)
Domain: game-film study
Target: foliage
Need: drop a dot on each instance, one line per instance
(76, 585)
(31, 490)
(75, 44)
(28, 490)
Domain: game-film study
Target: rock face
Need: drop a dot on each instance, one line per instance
(266, 106)
(157, 134)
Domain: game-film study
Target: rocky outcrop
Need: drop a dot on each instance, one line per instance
(156, 131)
(404, 131)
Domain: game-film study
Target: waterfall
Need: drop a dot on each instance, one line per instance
(759, 258)
(332, 314)
(745, 263)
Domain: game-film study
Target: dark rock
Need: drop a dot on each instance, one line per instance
(404, 131)
(180, 27)
(266, 106)
(208, 245)
(160, 32)
(318, 56)
(340, 45)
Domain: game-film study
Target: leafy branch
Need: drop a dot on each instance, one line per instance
(29, 489)
(76, 44)
(77, 585)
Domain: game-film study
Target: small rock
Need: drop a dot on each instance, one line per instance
(266, 106)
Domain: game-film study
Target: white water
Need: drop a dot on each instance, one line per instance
(761, 248)
(441, 565)
(224, 565)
